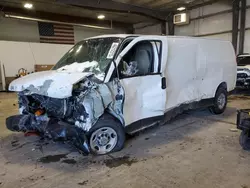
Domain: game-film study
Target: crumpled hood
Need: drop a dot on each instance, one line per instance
(53, 83)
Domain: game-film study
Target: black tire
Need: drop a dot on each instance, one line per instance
(12, 123)
(108, 120)
(217, 108)
(245, 140)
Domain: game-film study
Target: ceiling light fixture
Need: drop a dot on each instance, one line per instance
(28, 5)
(101, 17)
(181, 8)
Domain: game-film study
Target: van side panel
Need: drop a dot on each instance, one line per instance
(181, 72)
(221, 63)
(195, 68)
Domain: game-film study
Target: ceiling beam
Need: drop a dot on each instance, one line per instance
(142, 2)
(112, 6)
(74, 20)
(205, 3)
(149, 2)
(161, 3)
(193, 5)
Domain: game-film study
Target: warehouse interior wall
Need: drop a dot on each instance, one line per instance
(16, 55)
(211, 21)
(148, 28)
(214, 26)
(207, 26)
(215, 22)
(18, 30)
(27, 31)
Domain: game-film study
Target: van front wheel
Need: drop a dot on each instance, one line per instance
(220, 101)
(106, 136)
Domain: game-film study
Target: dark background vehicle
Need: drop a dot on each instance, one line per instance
(243, 71)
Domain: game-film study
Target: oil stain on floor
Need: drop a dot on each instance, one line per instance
(69, 161)
(52, 158)
(57, 158)
(115, 162)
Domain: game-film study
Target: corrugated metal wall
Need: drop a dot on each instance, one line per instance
(147, 28)
(204, 23)
(211, 21)
(219, 26)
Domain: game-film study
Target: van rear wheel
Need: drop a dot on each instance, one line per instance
(220, 101)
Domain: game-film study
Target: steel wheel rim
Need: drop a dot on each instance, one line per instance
(221, 101)
(103, 140)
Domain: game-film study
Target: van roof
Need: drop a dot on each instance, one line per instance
(139, 35)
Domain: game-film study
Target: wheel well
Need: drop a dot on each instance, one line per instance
(115, 117)
(105, 116)
(222, 85)
(109, 115)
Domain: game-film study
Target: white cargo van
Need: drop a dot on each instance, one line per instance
(110, 85)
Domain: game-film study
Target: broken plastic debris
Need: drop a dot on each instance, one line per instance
(233, 130)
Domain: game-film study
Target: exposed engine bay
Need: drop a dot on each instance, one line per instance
(69, 119)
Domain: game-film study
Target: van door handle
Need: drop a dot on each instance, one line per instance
(163, 83)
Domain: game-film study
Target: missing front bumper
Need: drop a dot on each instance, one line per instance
(52, 129)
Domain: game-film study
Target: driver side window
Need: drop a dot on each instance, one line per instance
(140, 60)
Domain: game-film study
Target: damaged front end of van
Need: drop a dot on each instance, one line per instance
(65, 103)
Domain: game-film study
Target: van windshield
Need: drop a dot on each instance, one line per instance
(92, 56)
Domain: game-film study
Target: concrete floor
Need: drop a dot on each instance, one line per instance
(196, 149)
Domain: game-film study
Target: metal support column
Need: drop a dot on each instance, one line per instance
(235, 19)
(242, 26)
(171, 24)
(163, 28)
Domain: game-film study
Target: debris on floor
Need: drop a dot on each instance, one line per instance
(234, 130)
(83, 183)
